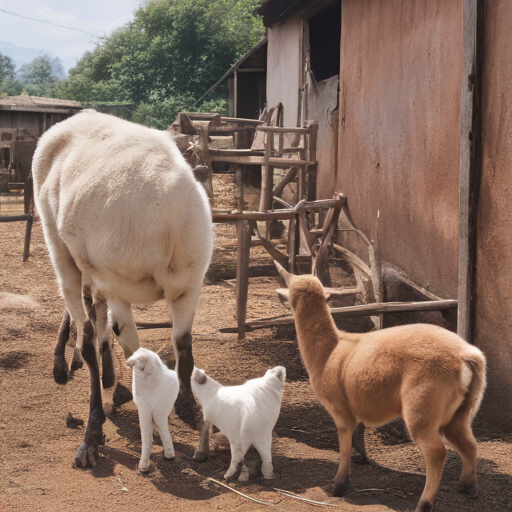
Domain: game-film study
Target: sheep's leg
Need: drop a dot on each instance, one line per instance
(183, 310)
(104, 340)
(237, 457)
(264, 448)
(123, 325)
(60, 365)
(341, 480)
(146, 431)
(88, 451)
(162, 424)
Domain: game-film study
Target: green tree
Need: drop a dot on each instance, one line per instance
(9, 86)
(171, 48)
(41, 74)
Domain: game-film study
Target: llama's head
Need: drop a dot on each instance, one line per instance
(144, 361)
(305, 286)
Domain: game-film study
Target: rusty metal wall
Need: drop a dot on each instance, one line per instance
(284, 60)
(493, 331)
(398, 142)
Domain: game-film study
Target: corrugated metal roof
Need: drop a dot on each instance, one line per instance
(37, 102)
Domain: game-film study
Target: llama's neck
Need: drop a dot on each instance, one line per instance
(316, 333)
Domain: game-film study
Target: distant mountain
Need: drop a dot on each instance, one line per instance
(20, 54)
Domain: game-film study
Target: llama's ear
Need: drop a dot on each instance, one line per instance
(327, 295)
(199, 376)
(284, 274)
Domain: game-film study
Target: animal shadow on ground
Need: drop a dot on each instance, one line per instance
(15, 360)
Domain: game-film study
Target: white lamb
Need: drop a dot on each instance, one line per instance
(155, 389)
(246, 414)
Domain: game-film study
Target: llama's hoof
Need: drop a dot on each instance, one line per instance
(424, 506)
(61, 372)
(200, 456)
(470, 489)
(86, 456)
(361, 460)
(341, 489)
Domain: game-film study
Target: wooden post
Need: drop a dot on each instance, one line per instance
(243, 233)
(312, 171)
(376, 268)
(467, 168)
(267, 175)
(28, 234)
(239, 187)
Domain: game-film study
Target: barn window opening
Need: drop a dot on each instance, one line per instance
(324, 42)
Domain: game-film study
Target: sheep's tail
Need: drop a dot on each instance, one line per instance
(476, 363)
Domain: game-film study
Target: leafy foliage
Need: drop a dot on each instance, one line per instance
(172, 50)
(9, 86)
(41, 74)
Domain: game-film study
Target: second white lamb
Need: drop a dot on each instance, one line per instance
(245, 414)
(155, 389)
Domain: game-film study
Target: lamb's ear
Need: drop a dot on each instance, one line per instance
(199, 377)
(139, 361)
(280, 371)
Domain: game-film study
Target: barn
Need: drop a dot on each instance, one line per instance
(413, 104)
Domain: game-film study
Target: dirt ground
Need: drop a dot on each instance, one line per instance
(37, 449)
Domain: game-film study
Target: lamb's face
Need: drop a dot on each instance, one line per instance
(143, 361)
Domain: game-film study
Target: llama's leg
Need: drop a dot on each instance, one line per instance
(60, 365)
(88, 451)
(237, 456)
(426, 436)
(458, 433)
(123, 325)
(161, 420)
(146, 433)
(342, 478)
(264, 448)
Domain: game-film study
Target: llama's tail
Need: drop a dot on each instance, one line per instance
(476, 363)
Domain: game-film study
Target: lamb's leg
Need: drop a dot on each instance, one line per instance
(237, 457)
(146, 432)
(161, 420)
(264, 448)
(60, 365)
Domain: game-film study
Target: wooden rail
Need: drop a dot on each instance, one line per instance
(29, 219)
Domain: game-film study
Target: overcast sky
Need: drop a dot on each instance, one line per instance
(97, 17)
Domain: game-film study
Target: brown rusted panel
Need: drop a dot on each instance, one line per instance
(285, 68)
(493, 331)
(398, 142)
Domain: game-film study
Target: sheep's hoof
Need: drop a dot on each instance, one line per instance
(121, 395)
(60, 371)
(200, 456)
(76, 364)
(86, 456)
(244, 474)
